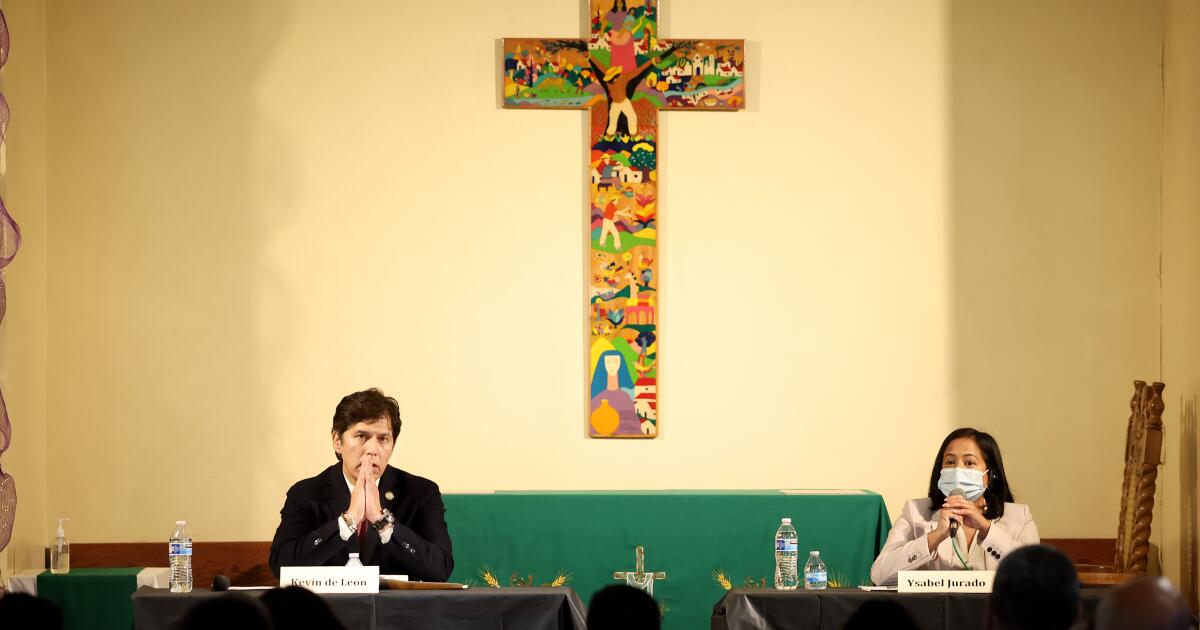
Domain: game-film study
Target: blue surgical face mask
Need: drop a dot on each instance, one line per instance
(969, 480)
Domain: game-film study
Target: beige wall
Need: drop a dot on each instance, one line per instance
(951, 216)
(23, 335)
(1055, 171)
(1181, 290)
(259, 213)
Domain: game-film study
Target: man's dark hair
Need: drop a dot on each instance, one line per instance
(1035, 588)
(23, 610)
(997, 491)
(228, 611)
(1144, 603)
(366, 406)
(623, 607)
(880, 613)
(297, 607)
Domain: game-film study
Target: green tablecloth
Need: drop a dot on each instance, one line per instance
(687, 534)
(92, 598)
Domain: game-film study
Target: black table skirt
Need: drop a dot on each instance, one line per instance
(746, 609)
(469, 609)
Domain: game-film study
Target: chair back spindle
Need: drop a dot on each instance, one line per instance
(1143, 454)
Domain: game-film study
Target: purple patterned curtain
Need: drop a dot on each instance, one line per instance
(10, 242)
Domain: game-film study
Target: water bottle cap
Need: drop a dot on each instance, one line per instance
(815, 553)
(181, 522)
(354, 555)
(787, 521)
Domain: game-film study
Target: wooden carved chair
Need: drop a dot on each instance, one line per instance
(1143, 454)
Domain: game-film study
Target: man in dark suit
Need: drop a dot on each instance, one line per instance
(361, 504)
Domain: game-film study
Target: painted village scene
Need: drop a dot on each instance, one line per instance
(623, 74)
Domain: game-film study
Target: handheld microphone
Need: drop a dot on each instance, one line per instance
(220, 583)
(957, 492)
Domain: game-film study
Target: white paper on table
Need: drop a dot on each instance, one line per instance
(154, 577)
(24, 581)
(822, 491)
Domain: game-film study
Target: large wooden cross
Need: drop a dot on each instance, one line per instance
(623, 74)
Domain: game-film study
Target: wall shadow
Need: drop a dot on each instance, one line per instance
(158, 216)
(1053, 246)
(1189, 515)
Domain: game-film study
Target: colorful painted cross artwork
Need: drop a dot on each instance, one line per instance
(623, 74)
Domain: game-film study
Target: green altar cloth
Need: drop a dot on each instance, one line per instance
(92, 598)
(686, 533)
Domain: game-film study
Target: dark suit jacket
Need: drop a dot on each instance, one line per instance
(308, 533)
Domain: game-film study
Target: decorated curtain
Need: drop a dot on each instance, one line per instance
(10, 241)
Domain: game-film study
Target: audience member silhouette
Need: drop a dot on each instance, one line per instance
(227, 611)
(296, 607)
(880, 613)
(622, 607)
(23, 610)
(1144, 603)
(1035, 588)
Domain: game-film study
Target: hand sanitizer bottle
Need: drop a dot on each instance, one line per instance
(60, 552)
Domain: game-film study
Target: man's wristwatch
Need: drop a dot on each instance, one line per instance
(385, 521)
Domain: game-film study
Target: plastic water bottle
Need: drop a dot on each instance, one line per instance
(60, 553)
(354, 561)
(180, 558)
(816, 578)
(786, 557)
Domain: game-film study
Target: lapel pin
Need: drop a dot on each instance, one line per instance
(388, 495)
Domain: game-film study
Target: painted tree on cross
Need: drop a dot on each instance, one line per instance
(623, 74)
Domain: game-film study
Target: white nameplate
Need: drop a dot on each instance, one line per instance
(332, 579)
(945, 581)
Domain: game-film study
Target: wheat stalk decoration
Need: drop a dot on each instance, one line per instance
(488, 577)
(722, 578)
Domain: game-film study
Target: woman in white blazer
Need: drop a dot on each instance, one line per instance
(968, 488)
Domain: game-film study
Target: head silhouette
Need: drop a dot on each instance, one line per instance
(227, 611)
(1144, 603)
(1035, 588)
(880, 613)
(23, 610)
(296, 607)
(622, 607)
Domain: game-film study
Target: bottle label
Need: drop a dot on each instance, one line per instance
(815, 577)
(786, 544)
(180, 549)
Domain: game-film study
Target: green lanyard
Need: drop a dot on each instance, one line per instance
(954, 545)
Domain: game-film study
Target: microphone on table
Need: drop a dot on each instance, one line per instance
(220, 583)
(957, 492)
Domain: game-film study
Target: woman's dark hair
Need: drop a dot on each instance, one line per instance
(997, 491)
(366, 406)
